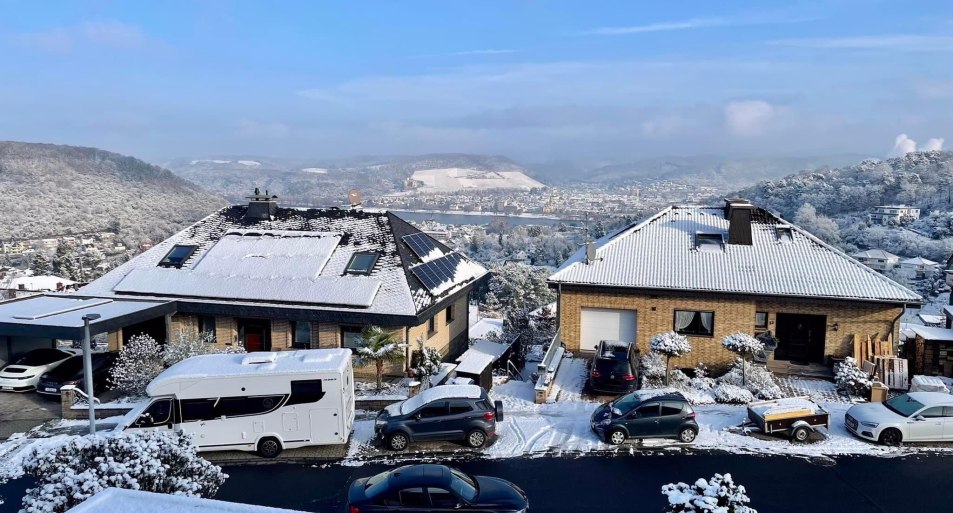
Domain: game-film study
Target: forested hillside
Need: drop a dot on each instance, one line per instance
(57, 190)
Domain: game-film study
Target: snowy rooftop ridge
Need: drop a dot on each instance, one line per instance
(660, 253)
(120, 500)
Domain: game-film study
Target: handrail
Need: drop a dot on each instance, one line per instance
(544, 366)
(79, 394)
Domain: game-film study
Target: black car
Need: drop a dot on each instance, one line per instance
(614, 368)
(70, 372)
(447, 412)
(646, 414)
(434, 488)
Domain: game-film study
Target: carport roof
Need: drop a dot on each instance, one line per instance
(61, 316)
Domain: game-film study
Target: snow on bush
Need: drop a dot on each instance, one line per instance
(188, 344)
(138, 362)
(757, 379)
(732, 394)
(152, 461)
(652, 367)
(717, 495)
(743, 344)
(670, 344)
(429, 364)
(701, 381)
(850, 379)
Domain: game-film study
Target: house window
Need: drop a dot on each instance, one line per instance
(449, 314)
(351, 337)
(761, 320)
(207, 325)
(709, 242)
(177, 256)
(785, 234)
(301, 334)
(362, 263)
(432, 326)
(689, 322)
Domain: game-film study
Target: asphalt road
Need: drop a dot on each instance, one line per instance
(628, 483)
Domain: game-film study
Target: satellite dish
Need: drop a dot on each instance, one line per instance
(354, 197)
(590, 252)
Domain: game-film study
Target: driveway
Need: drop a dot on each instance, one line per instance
(20, 412)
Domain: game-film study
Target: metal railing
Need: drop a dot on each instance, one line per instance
(546, 369)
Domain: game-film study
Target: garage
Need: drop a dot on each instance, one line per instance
(606, 324)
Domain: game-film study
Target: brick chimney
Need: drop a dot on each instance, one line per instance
(739, 213)
(261, 207)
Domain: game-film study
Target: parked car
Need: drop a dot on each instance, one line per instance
(912, 417)
(24, 372)
(70, 372)
(430, 487)
(614, 368)
(447, 412)
(646, 414)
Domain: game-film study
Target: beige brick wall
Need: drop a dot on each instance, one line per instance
(732, 314)
(186, 323)
(444, 333)
(328, 335)
(280, 335)
(226, 331)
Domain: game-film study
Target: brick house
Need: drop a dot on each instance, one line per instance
(273, 278)
(707, 272)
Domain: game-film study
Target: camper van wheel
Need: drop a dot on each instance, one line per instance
(398, 441)
(269, 448)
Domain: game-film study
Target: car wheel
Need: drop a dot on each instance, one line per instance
(476, 439)
(616, 437)
(891, 436)
(269, 447)
(687, 435)
(398, 441)
(800, 434)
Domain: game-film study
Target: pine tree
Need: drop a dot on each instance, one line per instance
(64, 263)
(40, 265)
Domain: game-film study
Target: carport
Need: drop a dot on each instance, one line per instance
(39, 321)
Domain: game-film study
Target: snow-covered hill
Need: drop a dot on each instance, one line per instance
(456, 179)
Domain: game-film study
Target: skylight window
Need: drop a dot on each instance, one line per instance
(362, 263)
(785, 234)
(709, 242)
(177, 256)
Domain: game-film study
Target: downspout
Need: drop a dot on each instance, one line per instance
(893, 326)
(406, 350)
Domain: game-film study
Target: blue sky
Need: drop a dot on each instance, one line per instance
(534, 80)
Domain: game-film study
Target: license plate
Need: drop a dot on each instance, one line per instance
(6, 388)
(50, 389)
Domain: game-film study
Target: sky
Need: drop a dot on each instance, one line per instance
(537, 81)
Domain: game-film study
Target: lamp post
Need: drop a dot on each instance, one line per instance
(88, 370)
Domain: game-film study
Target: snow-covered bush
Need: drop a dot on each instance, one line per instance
(759, 380)
(138, 362)
(717, 495)
(670, 344)
(428, 365)
(732, 394)
(701, 381)
(652, 367)
(743, 344)
(378, 347)
(850, 379)
(188, 344)
(152, 461)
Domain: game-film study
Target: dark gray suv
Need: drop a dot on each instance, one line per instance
(646, 414)
(447, 412)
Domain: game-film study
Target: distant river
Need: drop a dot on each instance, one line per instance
(457, 219)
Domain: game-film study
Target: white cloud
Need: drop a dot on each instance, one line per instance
(903, 145)
(659, 27)
(903, 42)
(489, 51)
(748, 118)
(935, 144)
(55, 40)
(113, 33)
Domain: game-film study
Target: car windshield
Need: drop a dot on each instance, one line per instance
(40, 357)
(625, 403)
(463, 485)
(69, 368)
(376, 484)
(904, 405)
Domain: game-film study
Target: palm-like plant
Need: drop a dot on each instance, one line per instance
(378, 347)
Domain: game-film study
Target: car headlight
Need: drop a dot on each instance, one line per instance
(605, 422)
(870, 424)
(380, 422)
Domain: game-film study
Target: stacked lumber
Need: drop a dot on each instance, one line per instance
(868, 350)
(787, 408)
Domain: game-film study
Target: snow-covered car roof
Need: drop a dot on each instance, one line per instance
(440, 392)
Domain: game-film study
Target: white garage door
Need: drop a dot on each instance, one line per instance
(606, 324)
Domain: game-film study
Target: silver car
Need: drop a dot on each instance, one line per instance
(913, 417)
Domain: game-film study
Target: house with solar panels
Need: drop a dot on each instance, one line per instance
(707, 272)
(273, 279)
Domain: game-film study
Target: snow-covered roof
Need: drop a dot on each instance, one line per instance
(440, 392)
(258, 363)
(484, 327)
(61, 316)
(918, 261)
(931, 319)
(660, 253)
(932, 333)
(298, 258)
(479, 356)
(877, 254)
(119, 500)
(39, 283)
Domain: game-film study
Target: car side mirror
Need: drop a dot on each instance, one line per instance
(417, 417)
(616, 411)
(919, 418)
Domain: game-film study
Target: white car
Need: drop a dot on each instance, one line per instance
(23, 373)
(913, 417)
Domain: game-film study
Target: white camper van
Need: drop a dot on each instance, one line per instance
(263, 402)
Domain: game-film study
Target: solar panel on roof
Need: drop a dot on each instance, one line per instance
(436, 272)
(422, 244)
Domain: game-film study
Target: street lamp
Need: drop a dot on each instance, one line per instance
(88, 370)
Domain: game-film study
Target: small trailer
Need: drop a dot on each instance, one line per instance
(796, 417)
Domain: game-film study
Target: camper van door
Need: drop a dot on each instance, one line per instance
(158, 415)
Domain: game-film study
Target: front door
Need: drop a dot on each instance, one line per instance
(254, 334)
(801, 338)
